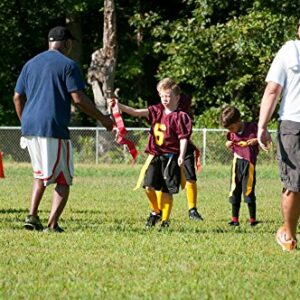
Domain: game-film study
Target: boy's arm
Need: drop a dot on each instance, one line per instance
(183, 147)
(136, 112)
(142, 112)
(229, 142)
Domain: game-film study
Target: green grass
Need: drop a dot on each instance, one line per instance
(105, 252)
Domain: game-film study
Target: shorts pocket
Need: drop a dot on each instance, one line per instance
(289, 135)
(283, 172)
(289, 128)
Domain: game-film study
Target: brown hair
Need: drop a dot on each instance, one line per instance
(229, 115)
(168, 84)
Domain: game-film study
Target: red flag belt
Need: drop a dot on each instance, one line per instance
(121, 132)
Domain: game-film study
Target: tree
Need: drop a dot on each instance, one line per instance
(222, 50)
(101, 73)
(219, 50)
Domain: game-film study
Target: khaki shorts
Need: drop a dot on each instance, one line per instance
(51, 159)
(288, 153)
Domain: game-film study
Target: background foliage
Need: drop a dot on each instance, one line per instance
(218, 50)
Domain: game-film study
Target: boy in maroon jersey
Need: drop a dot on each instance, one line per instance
(242, 141)
(168, 139)
(184, 104)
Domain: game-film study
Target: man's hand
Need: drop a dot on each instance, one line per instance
(264, 138)
(84, 103)
(252, 142)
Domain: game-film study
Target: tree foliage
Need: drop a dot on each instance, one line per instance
(223, 57)
(218, 50)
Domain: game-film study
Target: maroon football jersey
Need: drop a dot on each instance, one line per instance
(249, 152)
(167, 130)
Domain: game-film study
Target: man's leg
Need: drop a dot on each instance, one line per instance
(290, 206)
(32, 221)
(59, 201)
(38, 189)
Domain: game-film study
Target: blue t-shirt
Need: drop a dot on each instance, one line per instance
(47, 80)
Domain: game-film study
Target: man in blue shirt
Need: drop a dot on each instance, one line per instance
(45, 89)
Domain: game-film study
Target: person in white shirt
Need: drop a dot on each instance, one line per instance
(283, 79)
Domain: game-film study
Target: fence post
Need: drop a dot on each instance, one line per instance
(204, 146)
(97, 145)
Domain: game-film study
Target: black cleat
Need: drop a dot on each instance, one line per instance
(164, 225)
(253, 223)
(153, 219)
(194, 215)
(33, 223)
(233, 223)
(56, 229)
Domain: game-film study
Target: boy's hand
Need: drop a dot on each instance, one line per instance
(180, 161)
(229, 144)
(111, 102)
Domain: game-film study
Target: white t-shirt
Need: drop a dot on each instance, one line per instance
(285, 70)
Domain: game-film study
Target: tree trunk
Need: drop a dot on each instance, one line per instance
(101, 73)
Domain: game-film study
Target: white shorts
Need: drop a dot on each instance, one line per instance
(51, 159)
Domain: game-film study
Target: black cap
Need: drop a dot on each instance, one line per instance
(59, 33)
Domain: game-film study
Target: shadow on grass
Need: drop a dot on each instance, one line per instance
(103, 221)
(86, 211)
(127, 229)
(13, 211)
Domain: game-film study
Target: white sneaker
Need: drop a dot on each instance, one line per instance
(286, 245)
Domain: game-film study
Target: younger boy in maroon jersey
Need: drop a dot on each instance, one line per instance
(242, 141)
(168, 139)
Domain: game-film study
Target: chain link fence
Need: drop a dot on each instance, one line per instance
(96, 145)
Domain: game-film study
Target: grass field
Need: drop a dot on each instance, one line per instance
(106, 253)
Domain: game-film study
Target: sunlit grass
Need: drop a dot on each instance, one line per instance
(106, 253)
